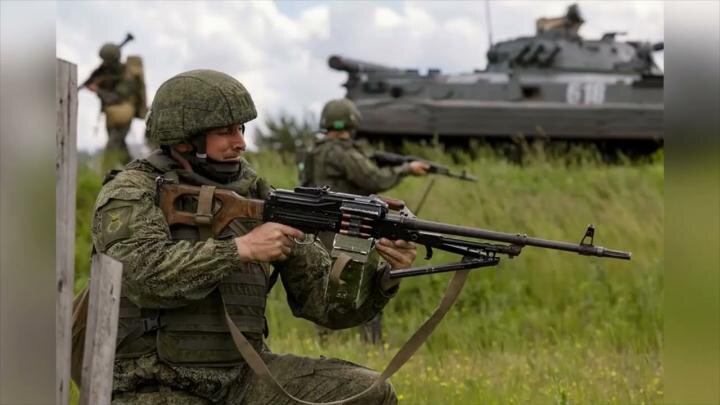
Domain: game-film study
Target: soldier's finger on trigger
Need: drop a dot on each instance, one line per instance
(292, 232)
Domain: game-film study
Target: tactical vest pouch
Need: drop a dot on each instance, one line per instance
(197, 334)
(119, 115)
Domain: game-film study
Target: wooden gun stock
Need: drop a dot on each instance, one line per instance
(227, 206)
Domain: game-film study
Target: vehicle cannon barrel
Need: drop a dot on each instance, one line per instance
(357, 66)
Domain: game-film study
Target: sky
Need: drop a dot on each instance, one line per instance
(279, 49)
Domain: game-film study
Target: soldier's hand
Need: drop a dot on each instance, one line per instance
(399, 253)
(419, 168)
(269, 242)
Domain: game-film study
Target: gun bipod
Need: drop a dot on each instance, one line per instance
(467, 263)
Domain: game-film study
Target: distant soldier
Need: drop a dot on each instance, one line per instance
(337, 161)
(121, 89)
(567, 25)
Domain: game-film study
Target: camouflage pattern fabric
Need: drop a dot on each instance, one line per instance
(116, 87)
(192, 102)
(317, 380)
(344, 166)
(160, 272)
(340, 115)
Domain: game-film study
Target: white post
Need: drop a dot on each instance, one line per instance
(66, 167)
(101, 332)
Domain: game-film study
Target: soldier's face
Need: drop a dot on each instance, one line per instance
(225, 144)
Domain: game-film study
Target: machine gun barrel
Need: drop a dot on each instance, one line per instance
(357, 66)
(582, 248)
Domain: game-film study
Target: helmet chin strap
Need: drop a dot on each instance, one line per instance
(199, 144)
(222, 172)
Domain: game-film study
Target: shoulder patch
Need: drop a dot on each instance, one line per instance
(115, 224)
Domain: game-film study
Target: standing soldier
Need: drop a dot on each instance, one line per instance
(121, 89)
(338, 162)
(184, 289)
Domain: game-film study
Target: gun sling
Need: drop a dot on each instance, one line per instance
(257, 364)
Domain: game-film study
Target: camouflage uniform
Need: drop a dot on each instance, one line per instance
(118, 91)
(173, 346)
(344, 166)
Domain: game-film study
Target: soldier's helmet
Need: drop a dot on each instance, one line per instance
(340, 115)
(110, 53)
(190, 103)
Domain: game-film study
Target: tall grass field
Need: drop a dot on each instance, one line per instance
(545, 327)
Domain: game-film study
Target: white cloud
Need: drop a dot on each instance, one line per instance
(316, 21)
(209, 24)
(418, 21)
(461, 27)
(387, 18)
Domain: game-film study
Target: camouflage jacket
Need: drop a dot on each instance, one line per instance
(344, 166)
(165, 271)
(115, 85)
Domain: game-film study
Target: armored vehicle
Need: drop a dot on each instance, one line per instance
(554, 85)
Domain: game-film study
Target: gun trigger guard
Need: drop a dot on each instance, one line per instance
(428, 252)
(308, 240)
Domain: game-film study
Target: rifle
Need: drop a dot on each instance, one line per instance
(98, 75)
(393, 159)
(313, 210)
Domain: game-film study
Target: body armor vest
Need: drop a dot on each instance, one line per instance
(321, 172)
(197, 333)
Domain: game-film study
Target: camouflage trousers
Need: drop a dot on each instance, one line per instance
(149, 381)
(116, 150)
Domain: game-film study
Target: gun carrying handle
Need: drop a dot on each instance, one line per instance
(393, 203)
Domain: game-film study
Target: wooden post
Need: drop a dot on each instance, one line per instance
(66, 167)
(101, 332)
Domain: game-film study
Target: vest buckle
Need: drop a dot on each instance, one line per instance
(151, 324)
(203, 219)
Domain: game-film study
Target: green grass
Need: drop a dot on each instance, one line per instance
(545, 327)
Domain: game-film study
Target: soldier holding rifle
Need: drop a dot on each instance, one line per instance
(338, 162)
(188, 291)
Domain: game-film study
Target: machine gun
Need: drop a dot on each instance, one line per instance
(393, 159)
(101, 74)
(314, 210)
